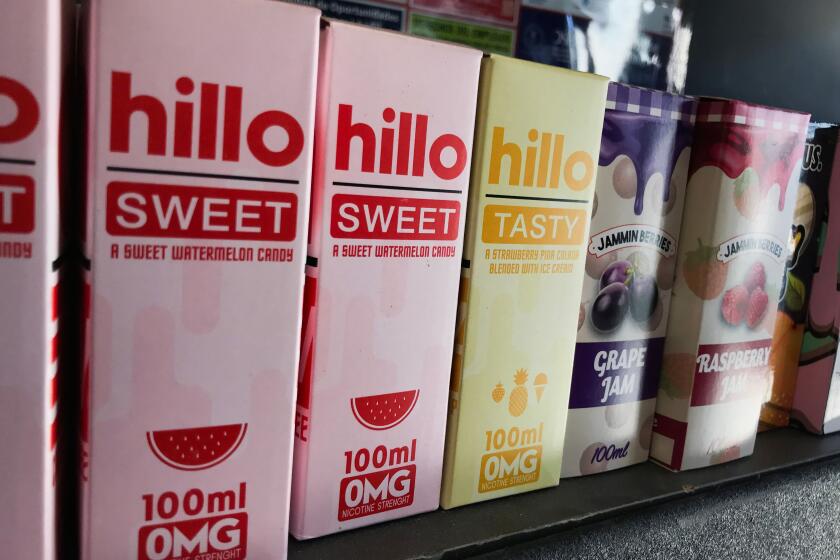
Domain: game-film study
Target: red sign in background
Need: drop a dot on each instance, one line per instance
(498, 11)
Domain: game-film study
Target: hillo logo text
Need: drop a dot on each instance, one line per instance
(446, 154)
(171, 133)
(543, 161)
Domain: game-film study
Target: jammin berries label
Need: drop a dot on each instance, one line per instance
(630, 264)
(742, 195)
(533, 179)
(389, 204)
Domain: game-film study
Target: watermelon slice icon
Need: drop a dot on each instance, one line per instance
(195, 449)
(381, 412)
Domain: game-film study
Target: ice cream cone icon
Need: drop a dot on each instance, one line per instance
(540, 381)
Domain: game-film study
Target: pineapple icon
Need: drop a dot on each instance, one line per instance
(518, 400)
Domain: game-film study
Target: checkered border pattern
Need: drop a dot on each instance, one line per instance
(630, 99)
(738, 112)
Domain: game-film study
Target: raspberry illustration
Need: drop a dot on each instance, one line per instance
(756, 277)
(733, 307)
(757, 307)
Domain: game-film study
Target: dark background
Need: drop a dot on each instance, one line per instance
(784, 53)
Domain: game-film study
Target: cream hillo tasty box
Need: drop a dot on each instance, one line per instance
(394, 126)
(742, 191)
(200, 119)
(33, 37)
(630, 263)
(533, 180)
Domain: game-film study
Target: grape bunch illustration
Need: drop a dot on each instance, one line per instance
(624, 289)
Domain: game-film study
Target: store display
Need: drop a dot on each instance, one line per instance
(537, 142)
(630, 267)
(806, 236)
(198, 177)
(34, 36)
(394, 129)
(816, 399)
(741, 198)
(326, 264)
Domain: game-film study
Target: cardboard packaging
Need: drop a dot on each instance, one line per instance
(740, 201)
(394, 128)
(807, 240)
(533, 178)
(200, 119)
(34, 39)
(630, 265)
(816, 398)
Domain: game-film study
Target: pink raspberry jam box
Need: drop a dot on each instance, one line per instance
(199, 162)
(734, 243)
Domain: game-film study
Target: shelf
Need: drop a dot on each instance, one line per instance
(492, 525)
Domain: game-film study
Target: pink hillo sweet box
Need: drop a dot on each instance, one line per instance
(394, 126)
(200, 115)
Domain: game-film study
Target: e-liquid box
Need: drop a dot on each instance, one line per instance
(816, 398)
(200, 119)
(533, 178)
(33, 37)
(630, 263)
(808, 235)
(741, 197)
(394, 128)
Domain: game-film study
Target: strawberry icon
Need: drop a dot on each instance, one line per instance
(703, 272)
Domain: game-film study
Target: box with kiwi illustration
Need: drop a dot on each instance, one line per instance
(807, 238)
(740, 201)
(630, 262)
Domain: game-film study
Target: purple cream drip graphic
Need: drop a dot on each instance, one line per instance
(645, 140)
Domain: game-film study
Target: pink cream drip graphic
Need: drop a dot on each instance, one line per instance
(772, 154)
